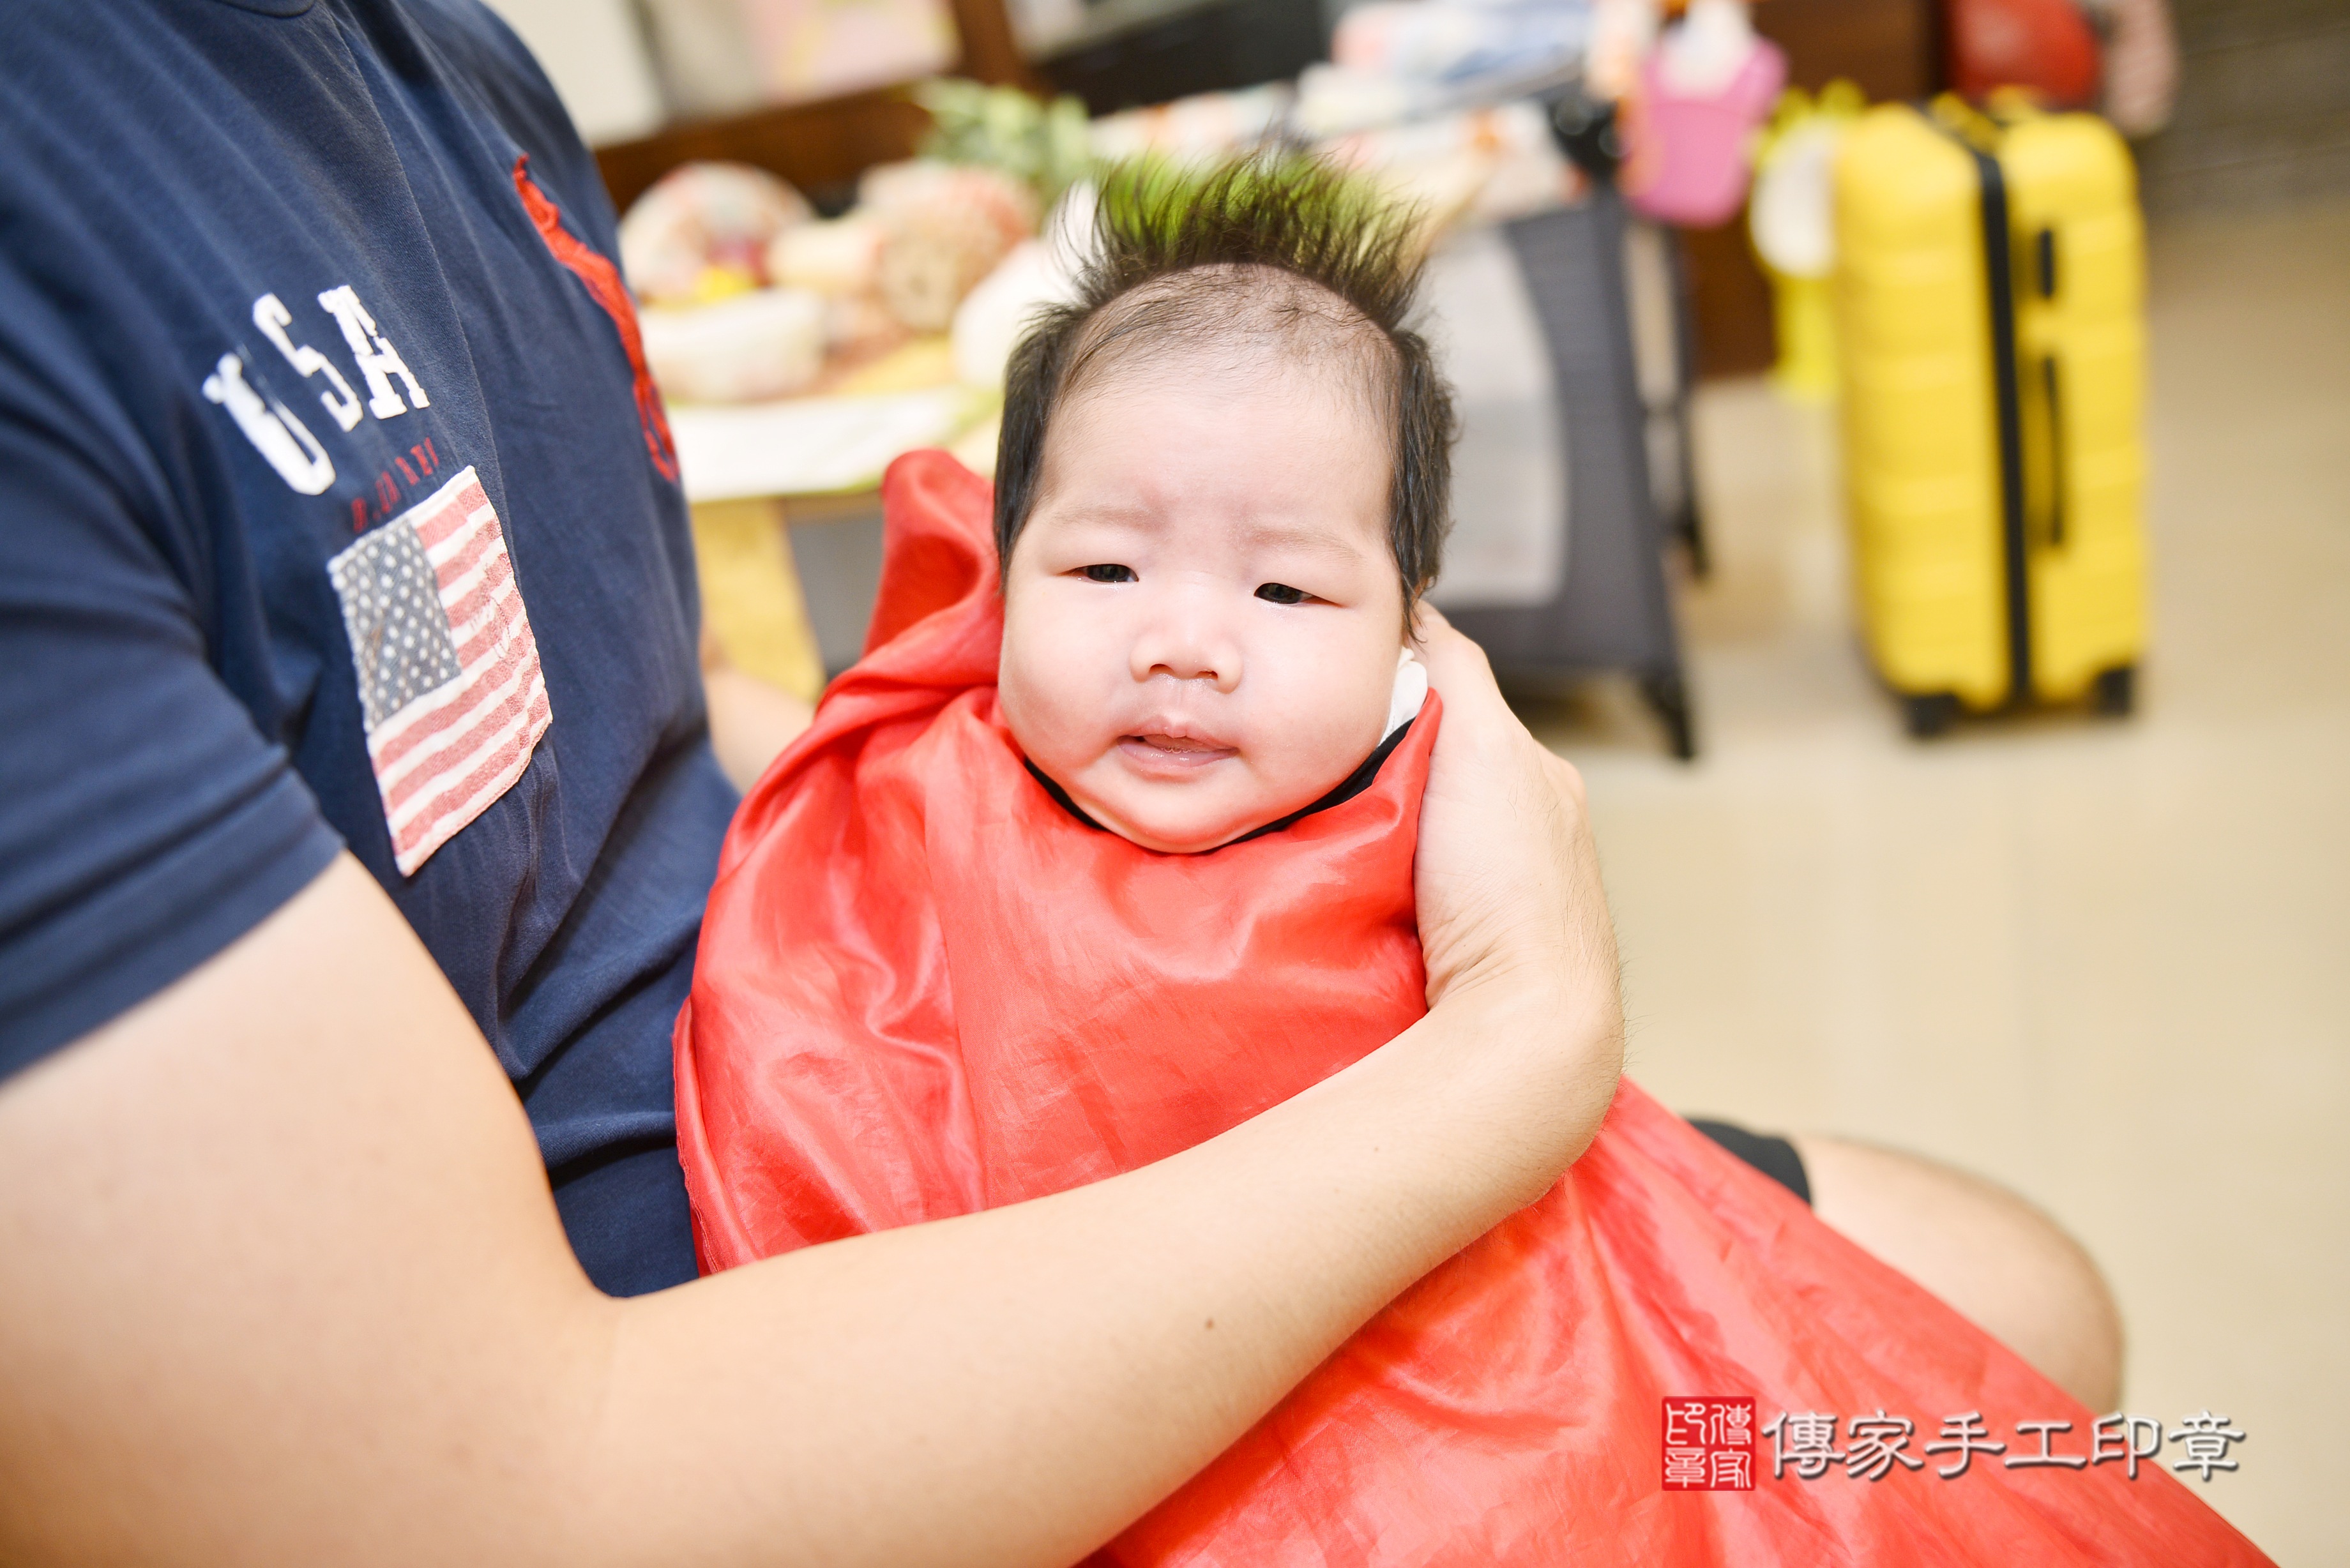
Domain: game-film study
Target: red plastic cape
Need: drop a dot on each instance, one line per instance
(924, 989)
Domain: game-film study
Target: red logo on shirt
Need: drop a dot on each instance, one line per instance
(603, 281)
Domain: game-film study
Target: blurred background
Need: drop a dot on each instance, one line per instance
(1949, 604)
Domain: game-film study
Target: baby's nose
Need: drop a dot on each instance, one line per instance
(1187, 644)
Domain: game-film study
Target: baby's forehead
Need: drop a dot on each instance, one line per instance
(1223, 394)
(1244, 317)
(1270, 455)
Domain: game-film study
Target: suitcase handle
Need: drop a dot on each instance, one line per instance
(2049, 386)
(2045, 255)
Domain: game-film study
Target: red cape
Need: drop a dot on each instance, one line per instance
(924, 989)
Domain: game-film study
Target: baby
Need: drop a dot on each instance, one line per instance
(1165, 763)
(1221, 488)
(1106, 843)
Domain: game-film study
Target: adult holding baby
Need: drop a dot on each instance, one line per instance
(283, 1281)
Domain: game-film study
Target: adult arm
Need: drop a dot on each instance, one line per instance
(280, 1279)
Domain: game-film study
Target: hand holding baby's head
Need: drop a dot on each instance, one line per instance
(1221, 489)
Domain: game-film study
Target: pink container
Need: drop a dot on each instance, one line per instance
(1691, 159)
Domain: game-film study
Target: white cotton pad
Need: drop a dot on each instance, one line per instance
(1411, 692)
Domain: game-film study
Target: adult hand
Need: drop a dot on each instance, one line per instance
(1507, 879)
(1509, 892)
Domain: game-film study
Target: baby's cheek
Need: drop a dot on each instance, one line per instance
(1026, 711)
(1325, 737)
(1050, 703)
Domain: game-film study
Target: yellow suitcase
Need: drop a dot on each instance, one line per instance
(1990, 285)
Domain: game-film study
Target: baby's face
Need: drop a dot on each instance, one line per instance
(1202, 617)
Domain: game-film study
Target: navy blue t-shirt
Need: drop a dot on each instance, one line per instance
(336, 511)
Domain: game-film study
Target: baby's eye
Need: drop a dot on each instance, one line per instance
(1281, 594)
(1107, 574)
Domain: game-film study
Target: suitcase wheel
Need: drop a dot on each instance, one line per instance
(1928, 715)
(2116, 691)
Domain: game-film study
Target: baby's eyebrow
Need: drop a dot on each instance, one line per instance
(1302, 537)
(1102, 514)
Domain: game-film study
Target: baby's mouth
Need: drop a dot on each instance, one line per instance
(1172, 755)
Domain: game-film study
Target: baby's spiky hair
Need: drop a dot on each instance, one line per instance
(1275, 250)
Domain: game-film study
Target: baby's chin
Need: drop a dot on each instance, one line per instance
(1170, 828)
(1179, 817)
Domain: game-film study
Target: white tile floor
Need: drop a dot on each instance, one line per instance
(2107, 964)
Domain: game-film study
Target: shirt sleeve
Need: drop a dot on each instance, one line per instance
(145, 822)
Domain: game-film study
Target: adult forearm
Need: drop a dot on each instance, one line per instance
(1016, 1386)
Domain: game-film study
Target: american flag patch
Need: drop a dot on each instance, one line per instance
(448, 671)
